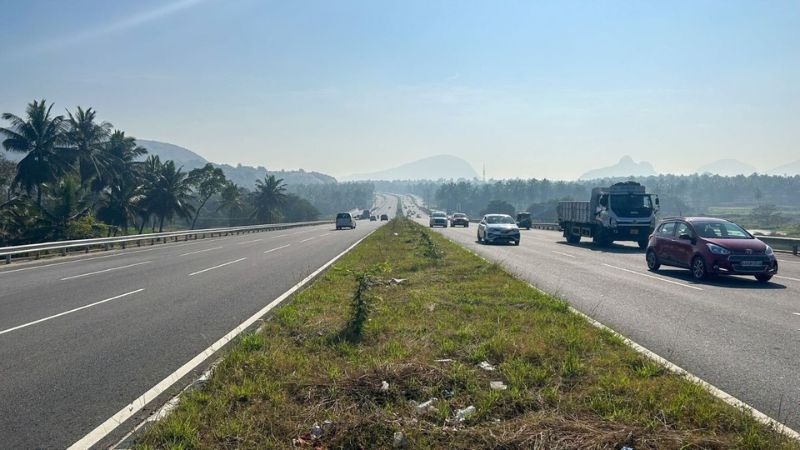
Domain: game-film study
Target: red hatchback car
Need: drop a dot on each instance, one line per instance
(708, 247)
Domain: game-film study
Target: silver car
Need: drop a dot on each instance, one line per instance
(498, 228)
(345, 220)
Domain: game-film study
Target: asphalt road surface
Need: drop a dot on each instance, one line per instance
(82, 338)
(734, 333)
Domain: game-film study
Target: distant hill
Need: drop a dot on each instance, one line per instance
(183, 157)
(790, 169)
(728, 168)
(626, 167)
(433, 168)
(244, 176)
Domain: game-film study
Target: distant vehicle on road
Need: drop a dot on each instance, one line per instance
(524, 220)
(622, 212)
(498, 228)
(438, 219)
(364, 214)
(373, 218)
(345, 220)
(459, 219)
(384, 217)
(708, 247)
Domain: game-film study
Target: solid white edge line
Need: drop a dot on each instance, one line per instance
(104, 429)
(200, 251)
(653, 277)
(69, 312)
(277, 248)
(105, 270)
(713, 390)
(216, 267)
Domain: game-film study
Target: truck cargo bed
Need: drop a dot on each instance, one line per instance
(575, 212)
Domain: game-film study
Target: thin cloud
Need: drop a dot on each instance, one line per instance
(120, 25)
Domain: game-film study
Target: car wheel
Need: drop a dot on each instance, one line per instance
(699, 268)
(516, 242)
(480, 241)
(652, 261)
(763, 278)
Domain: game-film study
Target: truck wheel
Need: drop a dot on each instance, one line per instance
(573, 238)
(652, 261)
(601, 240)
(699, 269)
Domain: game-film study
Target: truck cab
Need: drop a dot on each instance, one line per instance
(621, 212)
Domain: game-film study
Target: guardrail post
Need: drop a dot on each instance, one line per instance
(795, 249)
(8, 259)
(63, 252)
(86, 250)
(123, 245)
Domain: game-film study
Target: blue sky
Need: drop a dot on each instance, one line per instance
(531, 88)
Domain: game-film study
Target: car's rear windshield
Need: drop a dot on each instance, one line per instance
(439, 214)
(499, 219)
(460, 216)
(342, 216)
(721, 230)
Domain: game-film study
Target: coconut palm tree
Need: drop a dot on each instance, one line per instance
(88, 141)
(269, 195)
(168, 193)
(121, 205)
(124, 154)
(231, 201)
(41, 136)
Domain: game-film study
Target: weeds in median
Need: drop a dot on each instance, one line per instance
(299, 384)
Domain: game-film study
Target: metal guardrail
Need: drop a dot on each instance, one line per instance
(107, 243)
(782, 244)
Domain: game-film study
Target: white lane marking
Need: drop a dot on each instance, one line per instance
(277, 248)
(796, 314)
(105, 270)
(69, 312)
(201, 251)
(105, 428)
(306, 240)
(281, 235)
(562, 254)
(216, 267)
(249, 242)
(321, 235)
(787, 278)
(654, 277)
(787, 261)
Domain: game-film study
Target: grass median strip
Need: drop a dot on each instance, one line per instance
(412, 341)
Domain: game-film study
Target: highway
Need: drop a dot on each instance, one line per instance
(734, 333)
(81, 338)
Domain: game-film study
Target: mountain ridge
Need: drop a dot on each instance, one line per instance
(431, 168)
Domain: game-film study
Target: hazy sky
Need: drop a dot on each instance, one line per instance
(531, 88)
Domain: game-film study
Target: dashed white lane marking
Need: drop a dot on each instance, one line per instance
(281, 235)
(201, 251)
(136, 405)
(654, 277)
(787, 278)
(277, 248)
(321, 235)
(306, 240)
(249, 242)
(69, 312)
(562, 254)
(105, 270)
(216, 267)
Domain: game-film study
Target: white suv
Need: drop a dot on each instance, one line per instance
(345, 220)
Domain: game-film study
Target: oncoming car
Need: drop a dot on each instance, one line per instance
(438, 219)
(498, 228)
(708, 247)
(345, 220)
(459, 219)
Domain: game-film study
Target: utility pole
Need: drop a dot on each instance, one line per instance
(484, 172)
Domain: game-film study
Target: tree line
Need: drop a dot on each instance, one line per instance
(765, 201)
(79, 177)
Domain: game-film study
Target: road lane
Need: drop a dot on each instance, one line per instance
(733, 332)
(63, 376)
